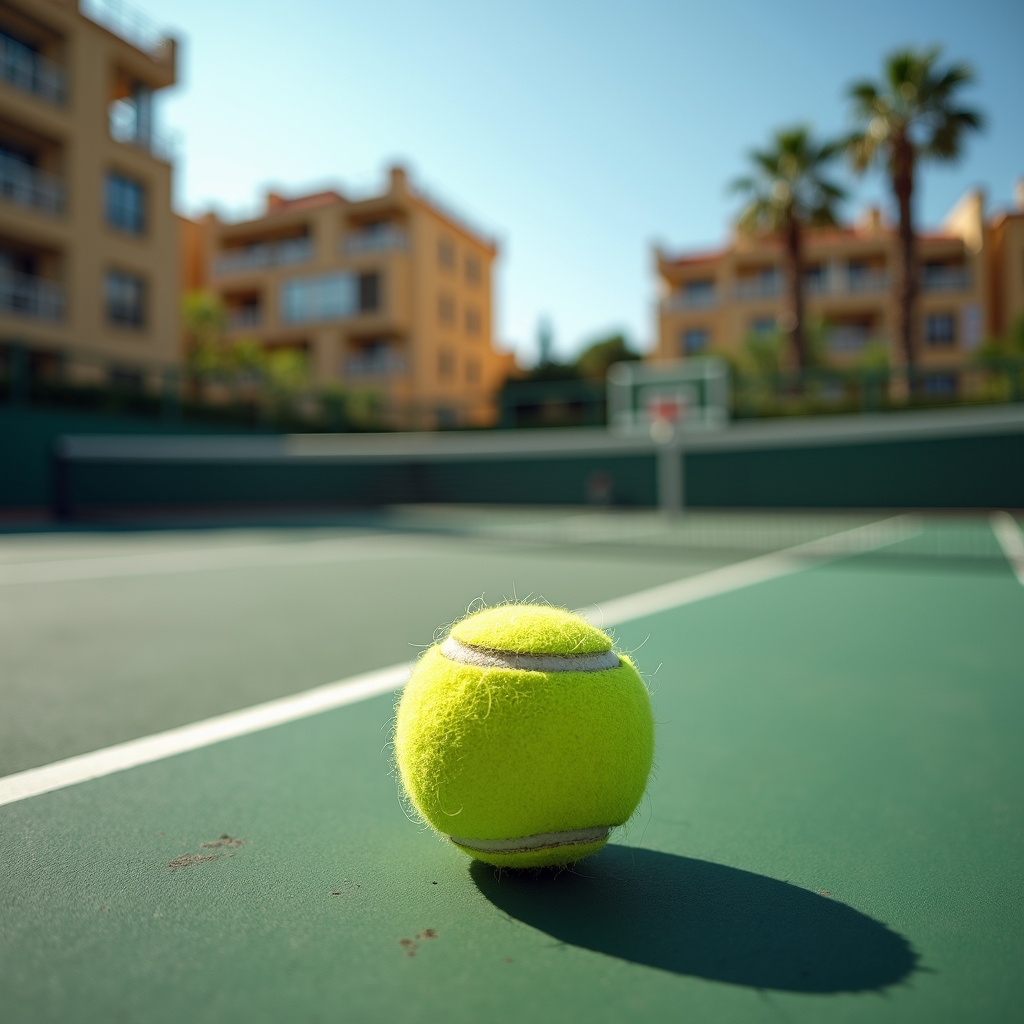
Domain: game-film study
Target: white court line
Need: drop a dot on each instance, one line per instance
(83, 767)
(1007, 532)
(160, 563)
(753, 570)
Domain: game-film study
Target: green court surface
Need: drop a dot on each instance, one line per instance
(833, 830)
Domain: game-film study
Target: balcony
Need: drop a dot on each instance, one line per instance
(26, 295)
(130, 122)
(764, 286)
(129, 23)
(865, 281)
(846, 338)
(376, 363)
(262, 255)
(382, 238)
(27, 70)
(27, 186)
(690, 298)
(243, 318)
(945, 279)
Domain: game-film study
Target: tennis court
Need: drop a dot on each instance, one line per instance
(199, 820)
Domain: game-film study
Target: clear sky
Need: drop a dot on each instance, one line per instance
(577, 133)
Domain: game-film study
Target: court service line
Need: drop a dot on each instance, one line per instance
(147, 749)
(160, 563)
(1007, 532)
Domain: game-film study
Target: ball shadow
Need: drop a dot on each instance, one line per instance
(707, 920)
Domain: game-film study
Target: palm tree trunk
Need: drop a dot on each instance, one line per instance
(906, 279)
(793, 318)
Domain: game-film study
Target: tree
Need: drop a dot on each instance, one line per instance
(204, 317)
(910, 116)
(787, 194)
(594, 360)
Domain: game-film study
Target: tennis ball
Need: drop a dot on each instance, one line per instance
(523, 737)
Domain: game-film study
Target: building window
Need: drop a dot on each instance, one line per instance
(369, 293)
(940, 330)
(324, 297)
(694, 340)
(699, 293)
(446, 254)
(472, 321)
(446, 309)
(763, 325)
(940, 385)
(445, 365)
(125, 202)
(126, 299)
(473, 272)
(472, 371)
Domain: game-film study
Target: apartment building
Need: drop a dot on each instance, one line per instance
(88, 243)
(389, 295)
(713, 301)
(1007, 277)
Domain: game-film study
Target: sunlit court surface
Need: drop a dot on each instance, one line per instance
(832, 828)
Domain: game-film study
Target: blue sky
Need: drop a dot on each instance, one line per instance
(578, 134)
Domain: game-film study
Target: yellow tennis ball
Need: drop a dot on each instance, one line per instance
(524, 738)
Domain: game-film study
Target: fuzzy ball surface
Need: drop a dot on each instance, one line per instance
(523, 737)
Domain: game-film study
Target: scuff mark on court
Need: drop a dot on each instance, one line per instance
(190, 860)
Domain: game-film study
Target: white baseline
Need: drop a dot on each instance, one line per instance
(1007, 532)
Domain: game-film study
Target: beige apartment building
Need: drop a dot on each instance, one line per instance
(389, 295)
(88, 242)
(972, 285)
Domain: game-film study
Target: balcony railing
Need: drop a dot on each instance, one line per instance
(28, 71)
(389, 239)
(128, 22)
(945, 279)
(860, 281)
(848, 338)
(696, 299)
(126, 126)
(31, 296)
(244, 318)
(27, 186)
(264, 254)
(758, 288)
(378, 364)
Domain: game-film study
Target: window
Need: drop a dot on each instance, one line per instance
(472, 371)
(446, 309)
(940, 385)
(126, 298)
(940, 330)
(472, 320)
(324, 297)
(445, 365)
(816, 278)
(446, 253)
(763, 325)
(694, 340)
(369, 292)
(699, 293)
(125, 202)
(473, 272)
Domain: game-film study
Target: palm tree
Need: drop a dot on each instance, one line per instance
(911, 115)
(787, 194)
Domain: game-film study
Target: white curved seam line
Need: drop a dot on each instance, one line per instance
(466, 654)
(541, 841)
